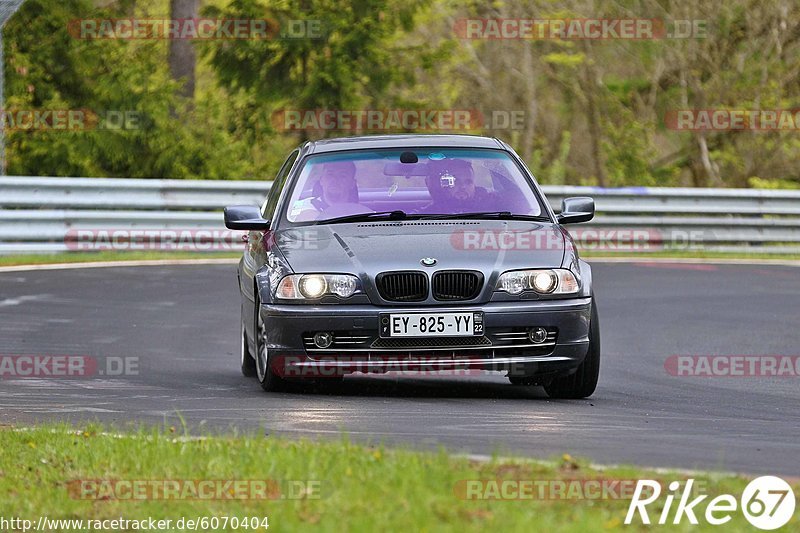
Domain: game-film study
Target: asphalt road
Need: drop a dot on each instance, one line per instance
(181, 323)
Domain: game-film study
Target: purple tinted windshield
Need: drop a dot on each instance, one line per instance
(416, 181)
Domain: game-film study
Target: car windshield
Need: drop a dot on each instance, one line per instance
(410, 183)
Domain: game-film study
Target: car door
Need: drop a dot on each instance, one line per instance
(255, 252)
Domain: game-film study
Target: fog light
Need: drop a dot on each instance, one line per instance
(537, 335)
(323, 339)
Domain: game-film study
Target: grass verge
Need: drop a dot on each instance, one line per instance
(327, 486)
(689, 254)
(92, 257)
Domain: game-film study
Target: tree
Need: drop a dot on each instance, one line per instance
(49, 69)
(347, 64)
(181, 51)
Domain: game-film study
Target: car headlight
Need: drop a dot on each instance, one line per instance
(555, 281)
(315, 286)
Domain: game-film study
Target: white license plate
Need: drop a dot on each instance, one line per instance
(431, 324)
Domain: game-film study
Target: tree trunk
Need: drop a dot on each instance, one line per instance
(181, 55)
(528, 81)
(593, 116)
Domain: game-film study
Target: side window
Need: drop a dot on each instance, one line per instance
(268, 209)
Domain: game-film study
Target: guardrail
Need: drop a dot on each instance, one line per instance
(40, 214)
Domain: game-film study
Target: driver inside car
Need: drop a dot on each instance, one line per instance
(334, 194)
(451, 184)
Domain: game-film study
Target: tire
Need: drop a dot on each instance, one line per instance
(583, 382)
(268, 379)
(247, 360)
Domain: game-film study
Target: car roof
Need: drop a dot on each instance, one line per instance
(402, 141)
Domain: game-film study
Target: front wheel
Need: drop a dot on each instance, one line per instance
(583, 382)
(248, 362)
(269, 380)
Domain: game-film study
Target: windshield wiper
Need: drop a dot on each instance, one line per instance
(503, 215)
(363, 217)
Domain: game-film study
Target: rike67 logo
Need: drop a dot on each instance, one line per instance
(767, 503)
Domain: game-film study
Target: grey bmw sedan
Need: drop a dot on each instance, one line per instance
(414, 252)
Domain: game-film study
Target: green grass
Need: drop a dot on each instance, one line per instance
(689, 254)
(360, 488)
(89, 257)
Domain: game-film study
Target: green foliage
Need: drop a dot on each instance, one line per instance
(564, 59)
(761, 183)
(49, 69)
(628, 150)
(348, 65)
(555, 172)
(594, 110)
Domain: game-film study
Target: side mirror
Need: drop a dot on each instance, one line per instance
(576, 209)
(245, 217)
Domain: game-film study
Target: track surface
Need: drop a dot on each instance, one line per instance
(182, 324)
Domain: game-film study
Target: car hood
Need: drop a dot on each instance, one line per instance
(491, 246)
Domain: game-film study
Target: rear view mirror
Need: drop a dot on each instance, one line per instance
(405, 169)
(576, 209)
(245, 217)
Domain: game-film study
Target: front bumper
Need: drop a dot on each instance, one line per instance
(502, 348)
